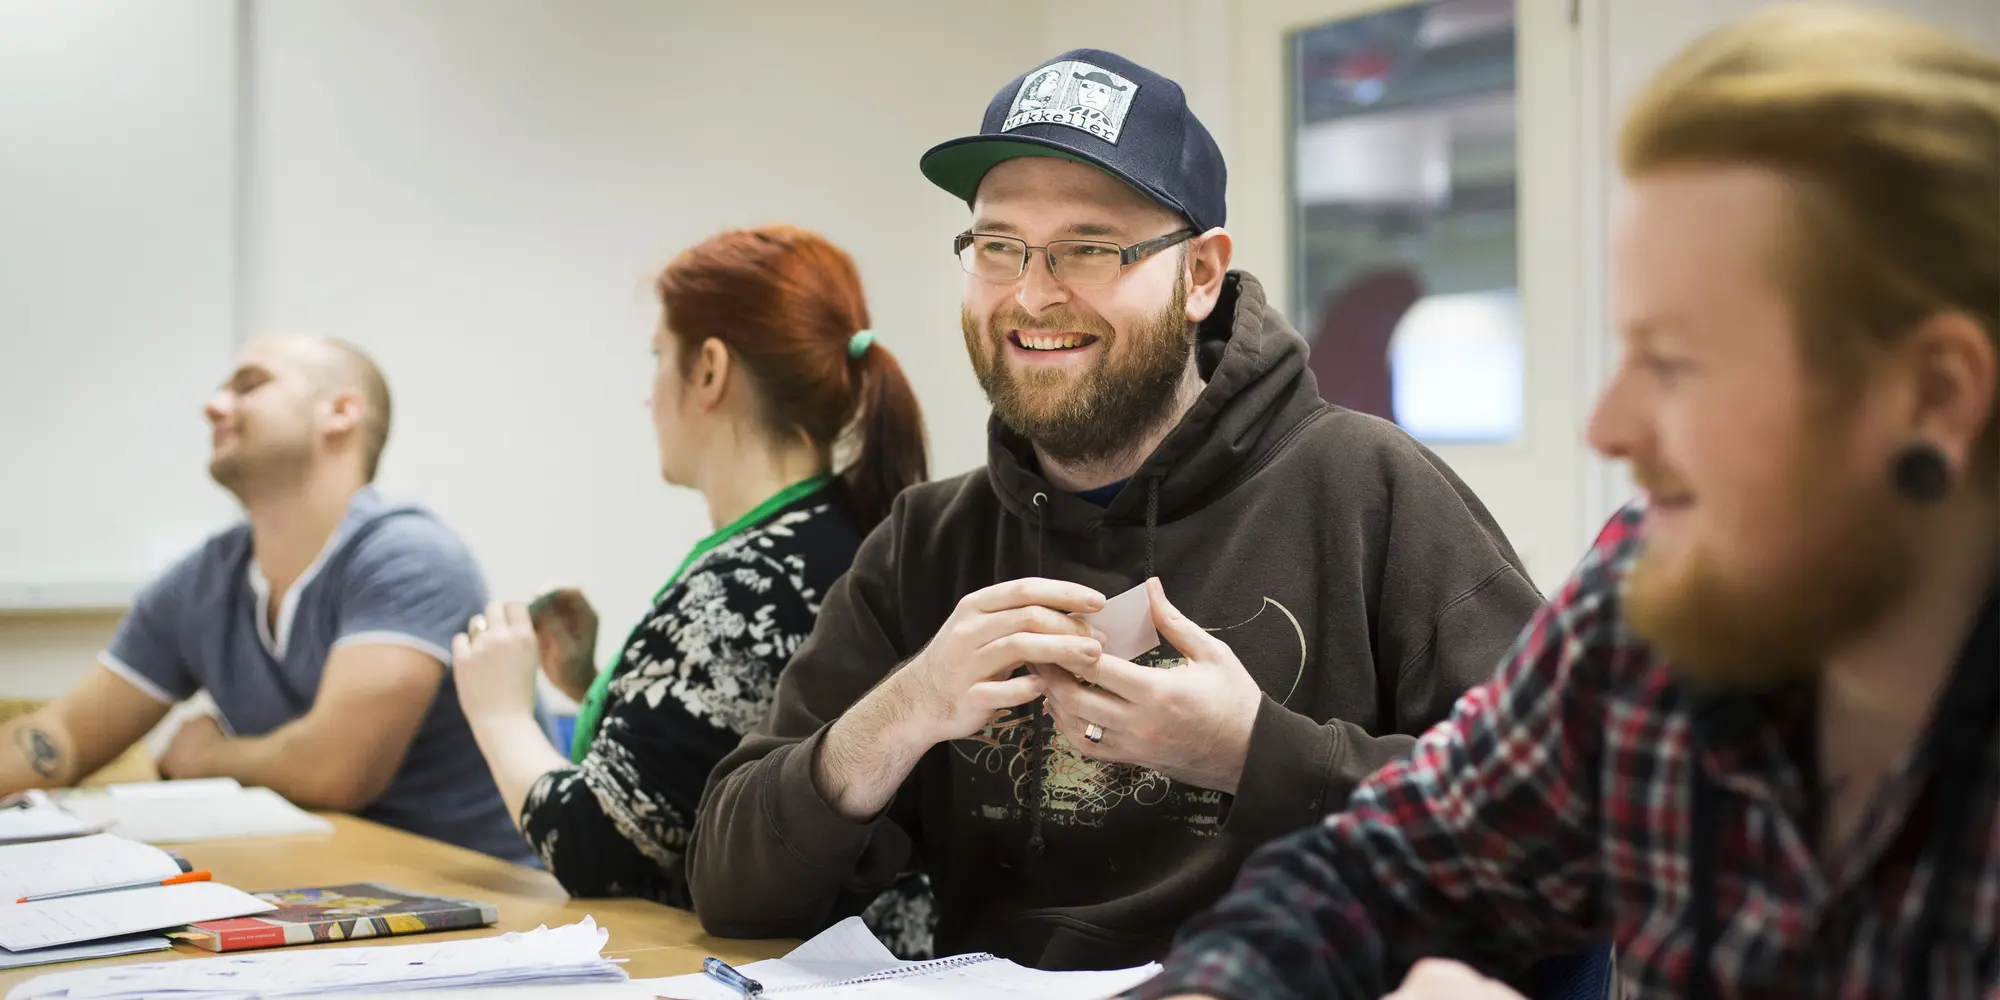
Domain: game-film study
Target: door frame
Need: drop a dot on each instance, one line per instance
(1545, 487)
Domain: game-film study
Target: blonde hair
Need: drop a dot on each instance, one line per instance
(1888, 132)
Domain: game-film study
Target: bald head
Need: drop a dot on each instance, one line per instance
(349, 368)
(336, 366)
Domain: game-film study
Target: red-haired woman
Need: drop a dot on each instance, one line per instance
(765, 362)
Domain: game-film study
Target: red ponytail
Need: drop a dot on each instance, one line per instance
(888, 438)
(787, 304)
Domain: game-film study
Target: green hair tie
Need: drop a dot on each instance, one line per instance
(859, 344)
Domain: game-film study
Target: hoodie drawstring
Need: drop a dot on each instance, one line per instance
(1038, 728)
(1039, 731)
(1152, 520)
(1041, 503)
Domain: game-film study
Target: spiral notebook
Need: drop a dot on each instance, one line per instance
(846, 961)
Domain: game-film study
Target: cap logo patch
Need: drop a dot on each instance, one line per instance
(1074, 93)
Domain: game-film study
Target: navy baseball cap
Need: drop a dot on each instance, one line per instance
(1099, 108)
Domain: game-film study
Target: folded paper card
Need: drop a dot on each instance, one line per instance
(1127, 624)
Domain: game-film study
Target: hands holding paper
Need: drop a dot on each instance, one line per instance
(966, 675)
(1191, 723)
(955, 686)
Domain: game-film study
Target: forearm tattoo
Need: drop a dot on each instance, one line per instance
(40, 750)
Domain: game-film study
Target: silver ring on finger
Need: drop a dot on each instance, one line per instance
(475, 628)
(1094, 733)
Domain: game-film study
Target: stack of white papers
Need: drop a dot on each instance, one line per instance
(847, 961)
(565, 955)
(32, 816)
(175, 788)
(109, 948)
(174, 812)
(98, 862)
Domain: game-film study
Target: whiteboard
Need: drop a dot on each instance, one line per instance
(118, 302)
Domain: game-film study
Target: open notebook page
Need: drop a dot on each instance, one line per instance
(844, 951)
(848, 950)
(79, 863)
(847, 941)
(995, 980)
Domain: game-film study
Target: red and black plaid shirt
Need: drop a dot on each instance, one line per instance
(1553, 810)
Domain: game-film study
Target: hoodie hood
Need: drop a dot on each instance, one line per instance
(1259, 391)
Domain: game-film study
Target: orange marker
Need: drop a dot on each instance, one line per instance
(176, 880)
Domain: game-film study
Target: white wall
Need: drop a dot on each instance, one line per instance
(1185, 40)
(117, 260)
(117, 306)
(476, 192)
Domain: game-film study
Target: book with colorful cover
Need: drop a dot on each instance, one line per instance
(338, 913)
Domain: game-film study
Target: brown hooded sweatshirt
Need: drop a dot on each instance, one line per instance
(1359, 581)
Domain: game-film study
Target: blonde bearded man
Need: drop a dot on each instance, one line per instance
(1756, 740)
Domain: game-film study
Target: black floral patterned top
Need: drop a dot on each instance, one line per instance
(697, 674)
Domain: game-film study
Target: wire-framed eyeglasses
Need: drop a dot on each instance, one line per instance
(1074, 262)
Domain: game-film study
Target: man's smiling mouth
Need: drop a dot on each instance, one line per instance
(1040, 340)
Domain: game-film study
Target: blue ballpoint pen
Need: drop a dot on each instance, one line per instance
(720, 971)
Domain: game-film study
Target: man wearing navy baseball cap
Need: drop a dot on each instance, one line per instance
(980, 698)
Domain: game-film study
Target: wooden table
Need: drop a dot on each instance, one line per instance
(656, 940)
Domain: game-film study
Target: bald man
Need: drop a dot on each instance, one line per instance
(319, 628)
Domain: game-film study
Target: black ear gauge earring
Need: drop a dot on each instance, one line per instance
(1921, 473)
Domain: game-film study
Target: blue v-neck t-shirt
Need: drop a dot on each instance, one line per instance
(392, 573)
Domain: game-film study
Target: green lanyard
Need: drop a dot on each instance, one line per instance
(590, 716)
